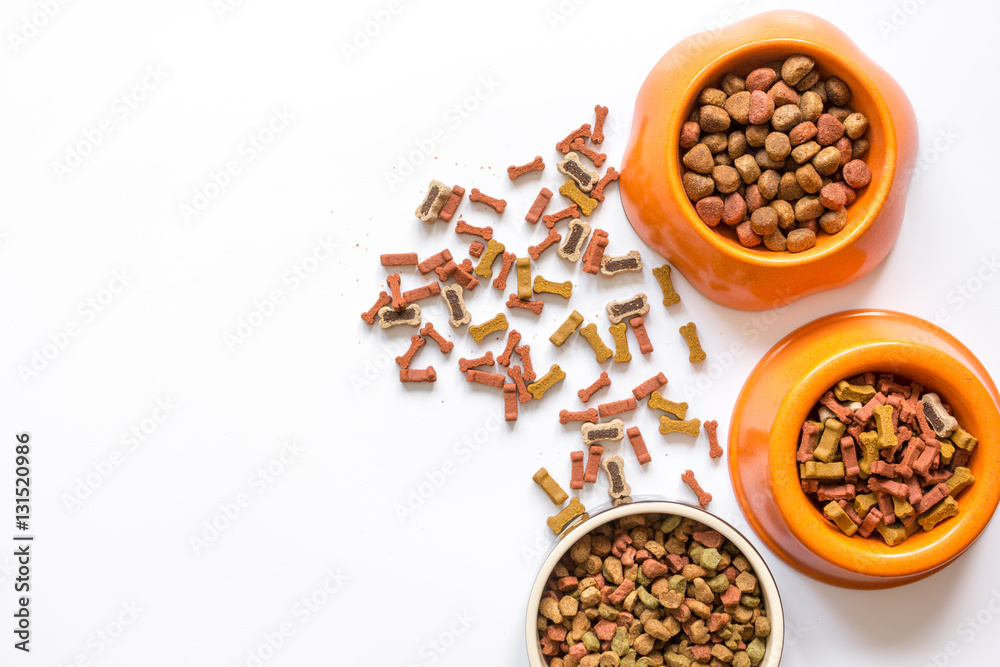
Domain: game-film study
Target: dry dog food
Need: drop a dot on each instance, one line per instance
(591, 415)
(387, 317)
(776, 153)
(481, 331)
(458, 314)
(564, 145)
(629, 262)
(658, 402)
(652, 589)
(429, 331)
(883, 454)
(626, 309)
(601, 351)
(538, 388)
(462, 227)
(690, 427)
(513, 338)
(576, 462)
(622, 354)
(658, 381)
(570, 190)
(552, 238)
(400, 259)
(597, 135)
(510, 402)
(704, 498)
(514, 301)
(612, 431)
(416, 342)
(588, 392)
(571, 211)
(564, 517)
(618, 489)
(535, 165)
(538, 207)
(572, 245)
(543, 286)
(613, 408)
(609, 176)
(450, 206)
(572, 167)
(417, 374)
(485, 267)
(566, 329)
(593, 464)
(641, 335)
(432, 203)
(497, 205)
(550, 486)
(638, 445)
(586, 151)
(506, 262)
(595, 252)
(690, 333)
(712, 429)
(383, 300)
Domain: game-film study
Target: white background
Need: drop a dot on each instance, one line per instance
(312, 373)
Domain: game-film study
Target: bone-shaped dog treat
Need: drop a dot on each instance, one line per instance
(538, 207)
(393, 281)
(550, 240)
(883, 425)
(434, 261)
(459, 272)
(485, 360)
(572, 245)
(523, 269)
(482, 377)
(945, 509)
(507, 261)
(523, 395)
(807, 443)
(829, 441)
(960, 480)
(462, 227)
(612, 266)
(845, 391)
(570, 191)
(690, 427)
(550, 486)
(690, 333)
(571, 211)
(485, 267)
(626, 309)
(432, 333)
(834, 512)
(937, 417)
(602, 351)
(571, 166)
(704, 498)
(399, 259)
(662, 275)
(657, 402)
(497, 205)
(586, 393)
(513, 338)
(535, 165)
(612, 408)
(622, 354)
(481, 331)
(641, 336)
(433, 201)
(593, 464)
(543, 286)
(453, 297)
(581, 147)
(638, 445)
(369, 315)
(826, 471)
(538, 388)
(595, 252)
(609, 176)
(612, 431)
(388, 317)
(534, 306)
(565, 416)
(510, 402)
(565, 329)
(417, 374)
(712, 429)
(524, 352)
(600, 113)
(614, 468)
(558, 522)
(849, 452)
(420, 293)
(576, 470)
(416, 342)
(450, 206)
(564, 145)
(649, 386)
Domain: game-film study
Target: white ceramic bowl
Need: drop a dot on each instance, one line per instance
(569, 536)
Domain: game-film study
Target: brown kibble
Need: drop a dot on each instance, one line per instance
(712, 96)
(802, 133)
(690, 133)
(786, 214)
(811, 105)
(782, 94)
(833, 197)
(761, 108)
(768, 184)
(800, 240)
(775, 241)
(840, 113)
(795, 68)
(710, 210)
(838, 93)
(807, 82)
(699, 158)
(827, 160)
(713, 119)
(716, 142)
(737, 144)
(832, 222)
(732, 84)
(723, 159)
(764, 221)
(845, 146)
(807, 208)
(754, 199)
(805, 152)
(748, 168)
(808, 179)
(734, 209)
(761, 79)
(786, 117)
(766, 161)
(738, 107)
(757, 135)
(727, 179)
(857, 174)
(746, 235)
(777, 146)
(697, 186)
(859, 148)
(789, 188)
(828, 130)
(855, 125)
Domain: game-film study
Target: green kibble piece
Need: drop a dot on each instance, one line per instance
(641, 579)
(591, 641)
(607, 612)
(694, 551)
(718, 584)
(647, 598)
(864, 503)
(676, 660)
(710, 559)
(751, 601)
(740, 659)
(670, 523)
(678, 583)
(755, 650)
(619, 643)
(644, 662)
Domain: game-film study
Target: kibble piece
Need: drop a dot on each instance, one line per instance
(805, 152)
(859, 148)
(783, 94)
(786, 117)
(738, 107)
(776, 241)
(777, 146)
(840, 113)
(761, 79)
(800, 240)
(761, 108)
(768, 183)
(801, 133)
(838, 93)
(808, 81)
(757, 135)
(808, 208)
(716, 142)
(713, 119)
(764, 221)
(699, 159)
(786, 214)
(690, 133)
(828, 130)
(857, 174)
(712, 96)
(697, 186)
(766, 161)
(727, 179)
(732, 84)
(833, 196)
(737, 144)
(746, 235)
(811, 105)
(855, 125)
(827, 161)
(749, 171)
(809, 179)
(795, 68)
(734, 210)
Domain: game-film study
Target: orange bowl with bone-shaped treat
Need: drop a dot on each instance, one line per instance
(711, 258)
(778, 397)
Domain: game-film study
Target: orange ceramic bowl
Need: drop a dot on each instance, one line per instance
(712, 259)
(780, 393)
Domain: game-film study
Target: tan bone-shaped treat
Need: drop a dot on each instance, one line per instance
(626, 309)
(433, 201)
(388, 318)
(612, 431)
(614, 468)
(571, 166)
(612, 266)
(575, 239)
(568, 513)
(453, 297)
(937, 417)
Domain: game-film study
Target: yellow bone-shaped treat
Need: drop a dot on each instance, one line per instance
(566, 329)
(550, 486)
(575, 195)
(562, 519)
(538, 388)
(481, 331)
(657, 402)
(691, 426)
(523, 268)
(543, 286)
(602, 351)
(485, 267)
(621, 342)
